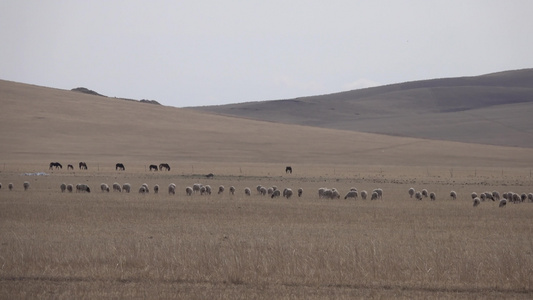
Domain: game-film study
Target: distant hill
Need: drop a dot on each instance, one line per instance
(91, 92)
(494, 109)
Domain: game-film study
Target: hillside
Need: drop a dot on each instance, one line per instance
(492, 109)
(39, 124)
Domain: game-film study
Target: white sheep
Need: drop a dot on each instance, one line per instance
(351, 194)
(263, 191)
(476, 201)
(117, 187)
(335, 194)
(418, 195)
(208, 189)
(172, 189)
(374, 196)
(483, 197)
(156, 188)
(247, 191)
(503, 202)
(147, 190)
(270, 191)
(516, 198)
(432, 196)
(70, 188)
(63, 187)
(80, 187)
(142, 190)
(196, 187)
(221, 189)
(258, 188)
(10, 186)
(276, 194)
(530, 197)
(189, 190)
(104, 187)
(473, 195)
(232, 190)
(26, 185)
(380, 193)
(488, 195)
(364, 194)
(321, 192)
(523, 197)
(453, 195)
(425, 193)
(287, 193)
(300, 192)
(411, 192)
(126, 187)
(496, 196)
(202, 190)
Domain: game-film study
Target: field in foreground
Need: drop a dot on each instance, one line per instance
(104, 245)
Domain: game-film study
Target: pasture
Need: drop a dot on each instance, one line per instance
(118, 245)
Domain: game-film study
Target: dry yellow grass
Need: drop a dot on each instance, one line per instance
(118, 245)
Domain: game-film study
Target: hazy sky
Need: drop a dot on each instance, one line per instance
(188, 53)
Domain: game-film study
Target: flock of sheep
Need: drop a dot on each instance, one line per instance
(11, 186)
(477, 199)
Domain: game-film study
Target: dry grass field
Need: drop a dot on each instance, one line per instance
(130, 245)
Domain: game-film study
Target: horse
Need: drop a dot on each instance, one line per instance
(82, 165)
(70, 167)
(120, 166)
(288, 169)
(153, 168)
(55, 165)
(164, 166)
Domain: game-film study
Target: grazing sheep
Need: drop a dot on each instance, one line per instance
(482, 197)
(287, 193)
(202, 190)
(276, 194)
(247, 191)
(488, 195)
(523, 197)
(156, 188)
(274, 187)
(476, 201)
(258, 188)
(263, 191)
(104, 187)
(425, 193)
(172, 189)
(374, 196)
(300, 192)
(327, 193)
(503, 202)
(335, 194)
(232, 190)
(530, 197)
(208, 189)
(270, 191)
(432, 196)
(516, 198)
(117, 187)
(80, 187)
(364, 194)
(10, 186)
(418, 195)
(221, 189)
(196, 187)
(146, 187)
(496, 196)
(474, 195)
(142, 190)
(26, 185)
(126, 187)
(380, 193)
(321, 192)
(70, 188)
(453, 195)
(63, 187)
(188, 191)
(411, 192)
(351, 194)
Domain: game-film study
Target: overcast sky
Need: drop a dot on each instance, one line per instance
(191, 53)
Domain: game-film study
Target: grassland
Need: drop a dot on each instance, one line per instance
(117, 245)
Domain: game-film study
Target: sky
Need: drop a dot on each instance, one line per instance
(195, 53)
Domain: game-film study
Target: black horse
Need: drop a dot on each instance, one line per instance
(55, 165)
(164, 166)
(288, 169)
(153, 168)
(70, 167)
(82, 165)
(120, 166)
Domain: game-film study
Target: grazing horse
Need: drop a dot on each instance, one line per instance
(55, 165)
(120, 166)
(70, 167)
(288, 169)
(153, 168)
(210, 175)
(83, 166)
(164, 166)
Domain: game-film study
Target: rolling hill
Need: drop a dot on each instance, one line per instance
(40, 124)
(492, 109)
